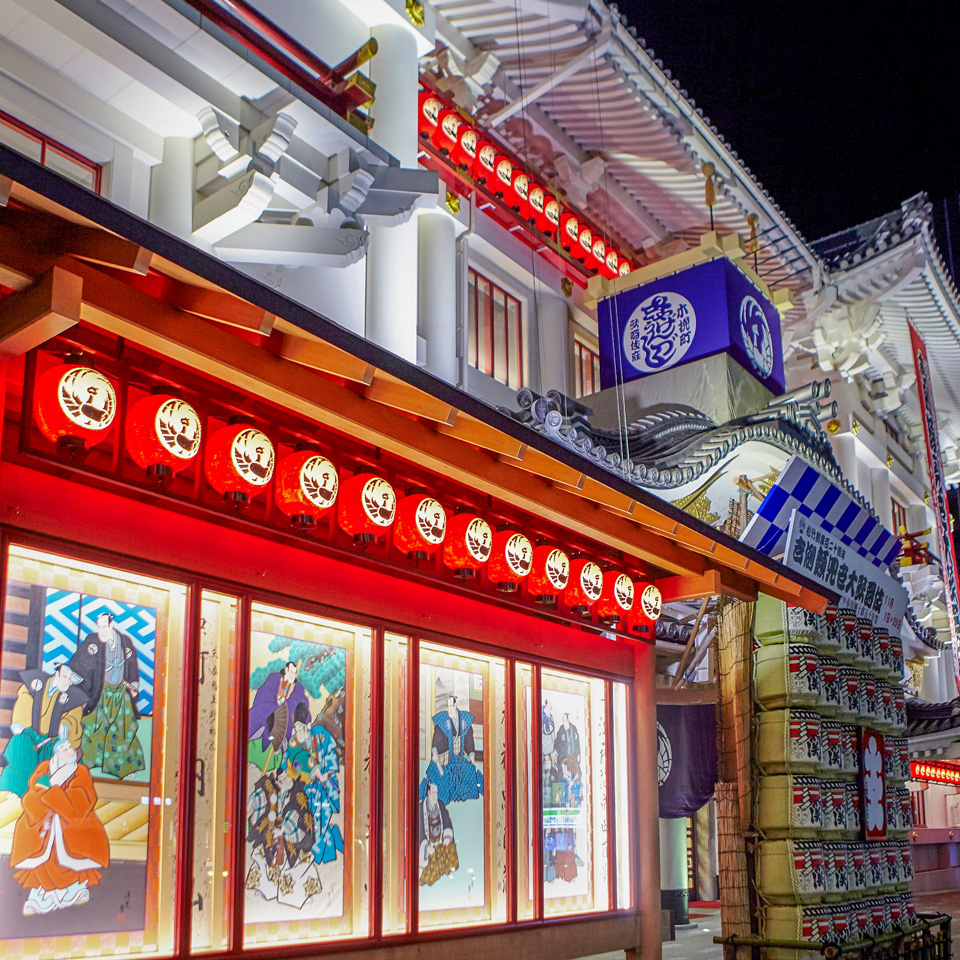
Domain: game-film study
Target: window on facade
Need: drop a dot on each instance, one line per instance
(495, 323)
(899, 514)
(587, 373)
(49, 153)
(89, 737)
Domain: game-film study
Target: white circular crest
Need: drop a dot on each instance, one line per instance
(379, 501)
(755, 333)
(87, 397)
(651, 602)
(519, 554)
(319, 481)
(432, 108)
(591, 580)
(659, 332)
(664, 755)
(557, 569)
(431, 520)
(623, 591)
(253, 456)
(178, 429)
(478, 539)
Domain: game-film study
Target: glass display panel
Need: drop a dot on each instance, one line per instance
(574, 784)
(214, 827)
(622, 725)
(461, 816)
(308, 779)
(396, 728)
(526, 794)
(89, 737)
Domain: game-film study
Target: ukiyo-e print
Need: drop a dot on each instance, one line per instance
(299, 773)
(81, 751)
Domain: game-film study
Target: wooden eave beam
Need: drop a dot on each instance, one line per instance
(689, 588)
(28, 318)
(537, 462)
(468, 429)
(21, 260)
(220, 306)
(322, 356)
(99, 246)
(395, 393)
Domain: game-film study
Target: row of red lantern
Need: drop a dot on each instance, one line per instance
(76, 405)
(467, 148)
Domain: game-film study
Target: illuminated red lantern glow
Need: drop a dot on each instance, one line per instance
(239, 462)
(616, 599)
(625, 268)
(74, 406)
(599, 251)
(467, 545)
(162, 434)
(367, 506)
(584, 248)
(420, 526)
(511, 557)
(552, 213)
(428, 113)
(647, 606)
(306, 487)
(549, 574)
(584, 587)
(465, 156)
(611, 264)
(445, 133)
(537, 197)
(503, 176)
(520, 193)
(484, 166)
(570, 234)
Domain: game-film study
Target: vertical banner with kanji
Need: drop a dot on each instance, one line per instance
(938, 489)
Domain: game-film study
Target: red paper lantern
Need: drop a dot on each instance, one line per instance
(643, 617)
(625, 268)
(585, 586)
(420, 527)
(74, 406)
(465, 156)
(162, 434)
(611, 264)
(537, 197)
(239, 462)
(616, 600)
(569, 235)
(428, 113)
(584, 249)
(511, 557)
(503, 176)
(367, 506)
(445, 132)
(520, 193)
(549, 574)
(485, 164)
(306, 487)
(550, 224)
(466, 547)
(599, 253)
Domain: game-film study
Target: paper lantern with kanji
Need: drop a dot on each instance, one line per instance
(585, 586)
(465, 154)
(445, 133)
(75, 406)
(306, 487)
(569, 235)
(511, 557)
(162, 434)
(519, 197)
(429, 113)
(503, 176)
(549, 574)
(239, 462)
(367, 507)
(485, 164)
(467, 545)
(616, 600)
(420, 526)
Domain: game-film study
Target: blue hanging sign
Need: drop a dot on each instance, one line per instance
(707, 309)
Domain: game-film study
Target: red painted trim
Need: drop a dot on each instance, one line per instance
(611, 800)
(238, 854)
(512, 807)
(537, 774)
(633, 798)
(4, 557)
(413, 778)
(377, 758)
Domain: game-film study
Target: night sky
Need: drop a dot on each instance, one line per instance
(840, 109)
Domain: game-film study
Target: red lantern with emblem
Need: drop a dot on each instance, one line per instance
(467, 545)
(585, 586)
(599, 251)
(511, 558)
(584, 248)
(239, 462)
(570, 234)
(616, 600)
(552, 213)
(420, 526)
(74, 406)
(466, 153)
(549, 574)
(537, 197)
(625, 268)
(428, 114)
(642, 619)
(611, 264)
(162, 434)
(485, 165)
(520, 193)
(445, 133)
(367, 506)
(306, 487)
(502, 183)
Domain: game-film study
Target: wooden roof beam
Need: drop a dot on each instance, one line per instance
(467, 429)
(326, 358)
(220, 306)
(21, 260)
(403, 396)
(28, 318)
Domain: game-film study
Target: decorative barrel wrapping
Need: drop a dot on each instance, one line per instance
(789, 741)
(851, 755)
(879, 914)
(788, 675)
(791, 871)
(860, 920)
(831, 702)
(854, 811)
(906, 862)
(891, 861)
(900, 712)
(866, 656)
(835, 870)
(884, 651)
(851, 707)
(876, 867)
(797, 922)
(833, 796)
(909, 908)
(790, 806)
(886, 709)
(831, 752)
(896, 660)
(868, 696)
(848, 636)
(829, 640)
(896, 760)
(895, 908)
(857, 867)
(775, 622)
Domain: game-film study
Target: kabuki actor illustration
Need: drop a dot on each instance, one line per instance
(296, 784)
(452, 768)
(438, 848)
